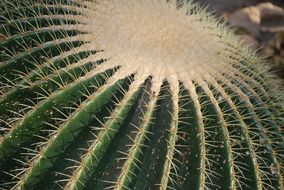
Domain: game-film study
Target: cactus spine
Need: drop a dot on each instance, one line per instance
(133, 94)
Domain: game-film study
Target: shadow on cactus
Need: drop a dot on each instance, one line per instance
(133, 94)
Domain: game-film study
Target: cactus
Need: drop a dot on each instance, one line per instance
(133, 94)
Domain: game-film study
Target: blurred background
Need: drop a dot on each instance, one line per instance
(260, 23)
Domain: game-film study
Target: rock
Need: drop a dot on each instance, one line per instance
(247, 18)
(264, 17)
(272, 17)
(221, 6)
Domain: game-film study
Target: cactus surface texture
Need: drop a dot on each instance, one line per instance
(134, 95)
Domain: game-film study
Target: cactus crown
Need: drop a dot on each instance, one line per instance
(155, 35)
(133, 94)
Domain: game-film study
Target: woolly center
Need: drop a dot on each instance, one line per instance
(155, 33)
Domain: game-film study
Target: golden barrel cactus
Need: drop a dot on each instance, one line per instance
(133, 94)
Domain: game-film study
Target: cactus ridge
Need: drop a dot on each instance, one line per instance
(133, 94)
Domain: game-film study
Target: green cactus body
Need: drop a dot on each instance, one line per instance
(133, 94)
